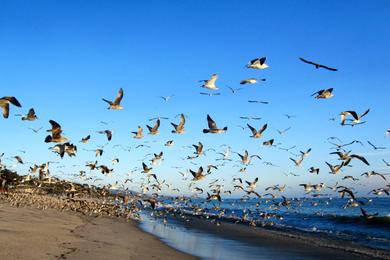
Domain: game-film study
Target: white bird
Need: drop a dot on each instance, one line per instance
(258, 63)
(210, 83)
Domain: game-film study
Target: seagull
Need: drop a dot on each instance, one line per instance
(31, 116)
(317, 65)
(167, 98)
(306, 153)
(154, 130)
(349, 177)
(246, 159)
(297, 162)
(289, 116)
(366, 215)
(387, 132)
(99, 152)
(210, 83)
(386, 163)
(108, 134)
(169, 143)
(85, 139)
(324, 93)
(250, 118)
(55, 136)
(356, 120)
(213, 128)
(281, 132)
(67, 148)
(198, 149)
(19, 159)
(214, 196)
(138, 134)
(255, 133)
(258, 102)
(269, 142)
(346, 157)
(4, 104)
(146, 169)
(35, 130)
(376, 147)
(252, 185)
(210, 94)
(251, 81)
(373, 173)
(334, 169)
(179, 129)
(258, 63)
(116, 105)
(198, 175)
(234, 90)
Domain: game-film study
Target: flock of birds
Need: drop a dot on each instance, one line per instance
(153, 184)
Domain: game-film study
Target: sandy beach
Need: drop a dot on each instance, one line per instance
(29, 233)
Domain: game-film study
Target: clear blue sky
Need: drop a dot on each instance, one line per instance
(62, 57)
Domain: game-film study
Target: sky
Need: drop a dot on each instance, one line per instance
(63, 57)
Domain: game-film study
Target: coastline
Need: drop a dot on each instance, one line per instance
(271, 242)
(56, 227)
(31, 233)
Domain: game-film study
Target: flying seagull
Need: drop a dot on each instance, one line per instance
(31, 116)
(324, 93)
(258, 63)
(251, 81)
(255, 133)
(317, 65)
(213, 128)
(356, 120)
(116, 105)
(154, 130)
(210, 83)
(55, 136)
(179, 128)
(4, 104)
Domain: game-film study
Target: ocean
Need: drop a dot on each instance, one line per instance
(316, 217)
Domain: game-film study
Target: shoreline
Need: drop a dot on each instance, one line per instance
(98, 228)
(294, 242)
(31, 233)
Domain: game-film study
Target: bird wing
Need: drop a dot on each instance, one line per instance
(326, 67)
(156, 126)
(361, 158)
(118, 99)
(211, 123)
(365, 113)
(5, 107)
(182, 121)
(308, 62)
(13, 101)
(263, 128)
(254, 131)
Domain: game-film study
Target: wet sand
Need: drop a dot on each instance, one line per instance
(29, 233)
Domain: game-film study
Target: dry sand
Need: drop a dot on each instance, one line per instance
(29, 233)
